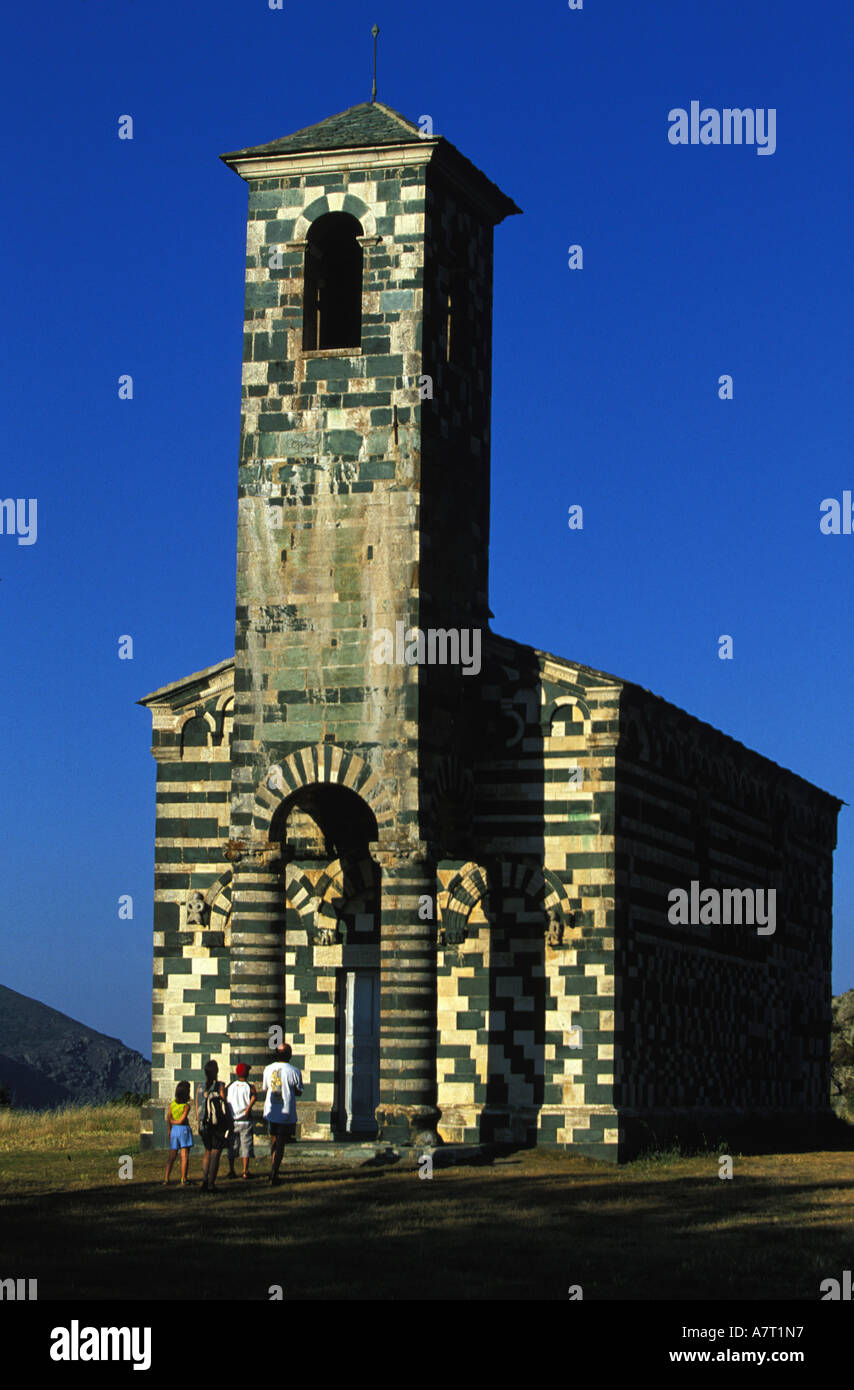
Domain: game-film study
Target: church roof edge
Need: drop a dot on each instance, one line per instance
(633, 688)
(195, 678)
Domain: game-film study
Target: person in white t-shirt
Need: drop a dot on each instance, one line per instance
(241, 1097)
(283, 1083)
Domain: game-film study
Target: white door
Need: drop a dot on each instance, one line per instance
(360, 1052)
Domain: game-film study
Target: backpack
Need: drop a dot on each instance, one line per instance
(218, 1116)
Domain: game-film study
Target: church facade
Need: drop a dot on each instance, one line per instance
(473, 884)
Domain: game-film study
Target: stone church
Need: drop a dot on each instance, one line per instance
(441, 862)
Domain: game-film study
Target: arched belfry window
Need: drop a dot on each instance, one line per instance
(332, 294)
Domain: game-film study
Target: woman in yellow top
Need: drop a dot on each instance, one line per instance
(180, 1134)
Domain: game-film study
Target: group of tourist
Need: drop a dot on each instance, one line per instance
(224, 1118)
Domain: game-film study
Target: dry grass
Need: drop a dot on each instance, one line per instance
(70, 1129)
(524, 1226)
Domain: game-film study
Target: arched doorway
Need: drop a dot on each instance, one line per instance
(333, 953)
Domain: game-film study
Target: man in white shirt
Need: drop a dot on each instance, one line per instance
(283, 1083)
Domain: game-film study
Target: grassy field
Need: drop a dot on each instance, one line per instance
(525, 1226)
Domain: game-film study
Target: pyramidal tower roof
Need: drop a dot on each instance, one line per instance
(368, 126)
(370, 123)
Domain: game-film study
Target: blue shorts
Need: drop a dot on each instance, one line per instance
(181, 1137)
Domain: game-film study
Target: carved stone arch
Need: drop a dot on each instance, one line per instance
(343, 884)
(332, 202)
(470, 886)
(451, 797)
(556, 894)
(718, 777)
(523, 709)
(742, 789)
(320, 904)
(324, 763)
(494, 671)
(704, 765)
(754, 793)
(467, 888)
(209, 912)
(557, 711)
(654, 742)
(693, 760)
(523, 879)
(686, 758)
(546, 893)
(301, 894)
(539, 885)
(728, 778)
(671, 751)
(201, 717)
(218, 900)
(758, 794)
(318, 207)
(649, 741)
(780, 804)
(346, 879)
(225, 710)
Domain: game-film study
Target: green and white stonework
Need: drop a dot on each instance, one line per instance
(497, 848)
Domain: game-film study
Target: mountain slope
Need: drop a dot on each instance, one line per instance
(47, 1058)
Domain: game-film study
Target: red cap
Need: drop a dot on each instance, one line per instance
(242, 1069)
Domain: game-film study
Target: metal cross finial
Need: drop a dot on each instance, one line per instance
(375, 31)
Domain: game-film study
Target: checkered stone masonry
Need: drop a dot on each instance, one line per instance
(541, 809)
(191, 998)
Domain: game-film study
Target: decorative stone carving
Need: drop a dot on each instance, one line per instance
(197, 910)
(453, 794)
(327, 928)
(555, 928)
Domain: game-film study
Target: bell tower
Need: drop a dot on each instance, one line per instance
(363, 516)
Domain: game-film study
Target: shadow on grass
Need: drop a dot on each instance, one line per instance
(684, 1138)
(471, 1234)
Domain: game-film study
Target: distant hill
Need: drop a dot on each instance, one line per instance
(48, 1059)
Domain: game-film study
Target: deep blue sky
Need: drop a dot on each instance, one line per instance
(701, 516)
